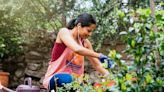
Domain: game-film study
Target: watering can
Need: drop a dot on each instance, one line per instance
(24, 87)
(27, 88)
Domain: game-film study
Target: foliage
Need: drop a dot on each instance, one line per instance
(10, 41)
(22, 19)
(142, 45)
(39, 14)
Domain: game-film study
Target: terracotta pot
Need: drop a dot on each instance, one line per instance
(4, 78)
(99, 88)
(109, 84)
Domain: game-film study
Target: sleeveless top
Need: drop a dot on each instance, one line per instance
(57, 50)
(68, 62)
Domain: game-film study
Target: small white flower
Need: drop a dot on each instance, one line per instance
(103, 80)
(52, 90)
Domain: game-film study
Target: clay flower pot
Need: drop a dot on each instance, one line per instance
(4, 78)
(99, 85)
(109, 84)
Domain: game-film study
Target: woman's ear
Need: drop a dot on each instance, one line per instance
(79, 25)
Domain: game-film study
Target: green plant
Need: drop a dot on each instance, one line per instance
(141, 46)
(10, 38)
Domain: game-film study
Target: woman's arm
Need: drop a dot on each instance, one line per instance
(68, 40)
(94, 61)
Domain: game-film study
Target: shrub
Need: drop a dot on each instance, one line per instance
(10, 38)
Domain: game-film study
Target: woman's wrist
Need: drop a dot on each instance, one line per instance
(99, 55)
(106, 73)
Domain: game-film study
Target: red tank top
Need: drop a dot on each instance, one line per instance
(57, 51)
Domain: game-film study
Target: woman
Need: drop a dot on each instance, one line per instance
(69, 50)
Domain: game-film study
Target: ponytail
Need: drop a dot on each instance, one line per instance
(85, 19)
(71, 24)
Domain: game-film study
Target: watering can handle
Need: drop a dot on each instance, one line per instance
(28, 81)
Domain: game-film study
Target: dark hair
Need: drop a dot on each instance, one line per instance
(85, 19)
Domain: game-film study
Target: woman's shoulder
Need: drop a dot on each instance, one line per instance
(64, 31)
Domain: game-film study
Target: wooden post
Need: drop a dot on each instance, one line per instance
(156, 52)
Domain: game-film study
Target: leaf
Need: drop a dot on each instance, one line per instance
(162, 46)
(128, 76)
(148, 11)
(86, 77)
(137, 30)
(159, 81)
(104, 65)
(123, 33)
(123, 87)
(99, 90)
(132, 43)
(137, 59)
(2, 45)
(130, 29)
(129, 41)
(152, 34)
(118, 56)
(148, 78)
(112, 54)
(139, 51)
(120, 13)
(139, 39)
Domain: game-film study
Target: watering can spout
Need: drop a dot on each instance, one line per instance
(4, 89)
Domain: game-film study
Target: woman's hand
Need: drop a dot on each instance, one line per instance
(1, 85)
(105, 59)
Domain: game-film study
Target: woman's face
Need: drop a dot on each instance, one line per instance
(85, 32)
